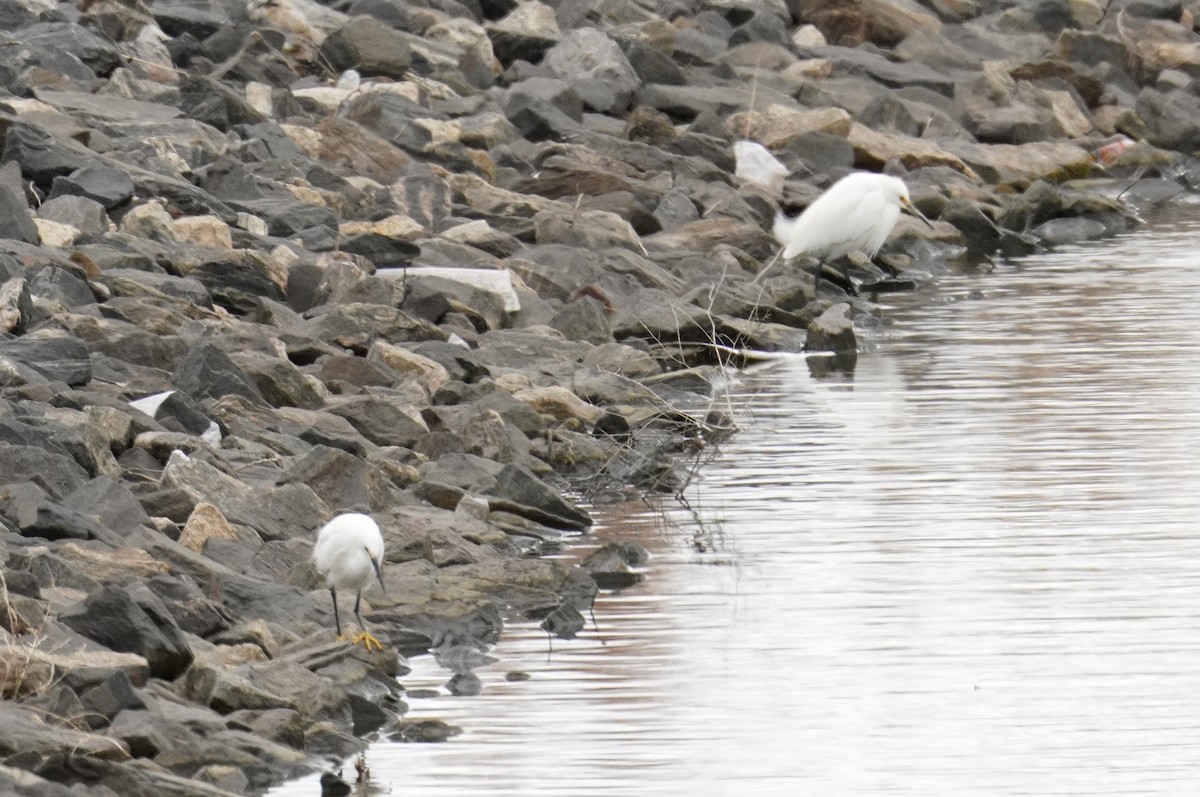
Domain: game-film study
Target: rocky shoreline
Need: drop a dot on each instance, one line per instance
(466, 266)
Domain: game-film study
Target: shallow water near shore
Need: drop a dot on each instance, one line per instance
(971, 567)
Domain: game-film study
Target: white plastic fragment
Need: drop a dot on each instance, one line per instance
(150, 404)
(755, 164)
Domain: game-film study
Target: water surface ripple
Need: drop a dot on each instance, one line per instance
(971, 568)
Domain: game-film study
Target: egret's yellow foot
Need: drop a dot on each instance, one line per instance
(364, 638)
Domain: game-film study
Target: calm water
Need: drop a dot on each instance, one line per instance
(971, 568)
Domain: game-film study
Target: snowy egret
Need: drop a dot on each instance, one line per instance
(856, 214)
(348, 553)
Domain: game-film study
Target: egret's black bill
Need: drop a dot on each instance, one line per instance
(911, 208)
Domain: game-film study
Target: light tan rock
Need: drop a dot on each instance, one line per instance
(808, 36)
(873, 150)
(776, 125)
(147, 220)
(15, 305)
(394, 226)
(1018, 165)
(55, 233)
(1087, 13)
(530, 19)
(205, 231)
(429, 373)
(1072, 121)
(559, 402)
(107, 565)
(258, 97)
(483, 196)
(205, 523)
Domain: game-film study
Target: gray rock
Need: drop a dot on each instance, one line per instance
(369, 46)
(52, 521)
(208, 372)
(595, 66)
(833, 331)
(236, 284)
(700, 47)
(111, 617)
(1071, 230)
(979, 230)
(518, 490)
(16, 221)
(282, 725)
(356, 326)
(525, 34)
(584, 319)
(215, 104)
(99, 55)
(111, 503)
(111, 696)
(543, 107)
(192, 611)
(189, 289)
(274, 513)
(343, 481)
(381, 420)
(260, 761)
(85, 215)
(57, 474)
(286, 216)
(675, 209)
(651, 65)
(687, 102)
(343, 372)
(176, 19)
(383, 251)
(425, 730)
(1173, 118)
(280, 382)
(66, 285)
(611, 564)
(23, 730)
(42, 156)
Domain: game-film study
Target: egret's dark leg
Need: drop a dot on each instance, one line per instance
(357, 601)
(336, 620)
(817, 279)
(889, 268)
(850, 289)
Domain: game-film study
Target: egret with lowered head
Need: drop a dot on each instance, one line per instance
(857, 213)
(349, 553)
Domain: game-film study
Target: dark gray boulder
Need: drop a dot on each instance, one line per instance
(208, 372)
(518, 490)
(113, 618)
(369, 46)
(42, 156)
(16, 220)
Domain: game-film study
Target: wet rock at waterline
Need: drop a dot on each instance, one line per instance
(510, 255)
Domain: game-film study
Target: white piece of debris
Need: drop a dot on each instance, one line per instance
(212, 435)
(755, 164)
(150, 404)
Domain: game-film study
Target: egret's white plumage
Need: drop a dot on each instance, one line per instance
(857, 213)
(349, 554)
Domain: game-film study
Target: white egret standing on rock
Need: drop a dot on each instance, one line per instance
(349, 553)
(856, 214)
